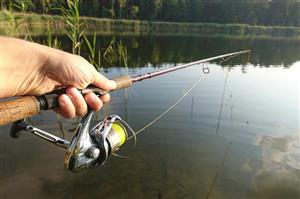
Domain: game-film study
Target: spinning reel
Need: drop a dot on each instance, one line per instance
(89, 147)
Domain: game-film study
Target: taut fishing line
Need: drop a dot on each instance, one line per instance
(167, 110)
(205, 70)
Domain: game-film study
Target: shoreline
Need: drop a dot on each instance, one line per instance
(41, 24)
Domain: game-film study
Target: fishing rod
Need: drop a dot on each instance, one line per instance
(89, 146)
(27, 106)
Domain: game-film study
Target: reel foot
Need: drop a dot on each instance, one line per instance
(17, 128)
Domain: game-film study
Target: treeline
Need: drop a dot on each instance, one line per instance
(253, 12)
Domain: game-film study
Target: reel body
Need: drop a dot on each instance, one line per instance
(89, 146)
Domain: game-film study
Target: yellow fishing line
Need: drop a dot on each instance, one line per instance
(120, 131)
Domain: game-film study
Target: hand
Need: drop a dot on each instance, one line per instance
(32, 69)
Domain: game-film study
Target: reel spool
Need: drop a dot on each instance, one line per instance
(89, 147)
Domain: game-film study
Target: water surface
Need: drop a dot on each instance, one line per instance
(236, 135)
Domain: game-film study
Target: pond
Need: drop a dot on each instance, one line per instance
(235, 135)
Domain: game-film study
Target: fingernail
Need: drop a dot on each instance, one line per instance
(63, 100)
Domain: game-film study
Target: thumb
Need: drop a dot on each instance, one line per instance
(102, 82)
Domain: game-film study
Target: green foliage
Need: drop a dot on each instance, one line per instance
(134, 10)
(92, 51)
(254, 12)
(11, 22)
(21, 5)
(74, 26)
(116, 53)
(52, 42)
(122, 53)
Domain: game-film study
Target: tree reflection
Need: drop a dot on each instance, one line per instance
(158, 50)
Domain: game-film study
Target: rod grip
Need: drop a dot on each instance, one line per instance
(123, 81)
(17, 109)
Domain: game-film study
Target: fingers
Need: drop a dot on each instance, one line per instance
(105, 98)
(93, 101)
(73, 103)
(77, 100)
(66, 107)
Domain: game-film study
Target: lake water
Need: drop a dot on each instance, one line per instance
(235, 135)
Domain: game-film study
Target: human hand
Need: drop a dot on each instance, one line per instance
(33, 69)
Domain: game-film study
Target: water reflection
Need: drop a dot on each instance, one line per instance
(156, 51)
(254, 154)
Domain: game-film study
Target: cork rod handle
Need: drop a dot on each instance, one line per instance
(17, 109)
(27, 106)
(123, 81)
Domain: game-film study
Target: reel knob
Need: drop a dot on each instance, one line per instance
(93, 152)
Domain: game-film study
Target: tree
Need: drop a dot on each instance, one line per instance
(122, 5)
(169, 9)
(194, 10)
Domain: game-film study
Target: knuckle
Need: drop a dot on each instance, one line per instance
(81, 111)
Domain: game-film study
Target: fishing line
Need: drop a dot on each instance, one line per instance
(91, 147)
(132, 136)
(222, 102)
(168, 110)
(224, 89)
(220, 167)
(204, 69)
(226, 59)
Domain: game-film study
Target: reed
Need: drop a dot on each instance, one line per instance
(122, 52)
(92, 51)
(116, 53)
(110, 54)
(74, 27)
(12, 22)
(52, 42)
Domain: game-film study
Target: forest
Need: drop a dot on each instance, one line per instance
(253, 12)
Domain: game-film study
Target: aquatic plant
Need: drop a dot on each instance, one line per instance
(122, 51)
(12, 22)
(74, 28)
(92, 51)
(116, 51)
(52, 42)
